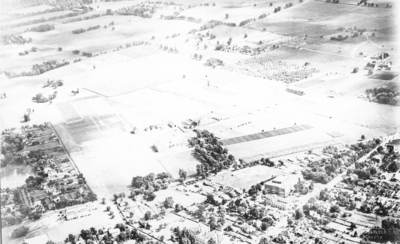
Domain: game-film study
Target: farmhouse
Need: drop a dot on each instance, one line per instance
(281, 185)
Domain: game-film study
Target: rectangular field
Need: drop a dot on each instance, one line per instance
(263, 135)
(281, 145)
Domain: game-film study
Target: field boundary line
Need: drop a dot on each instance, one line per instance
(69, 155)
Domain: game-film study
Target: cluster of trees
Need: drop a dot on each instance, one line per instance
(214, 62)
(136, 11)
(41, 20)
(385, 95)
(213, 23)
(149, 184)
(389, 162)
(367, 4)
(389, 231)
(20, 232)
(38, 69)
(210, 150)
(276, 10)
(245, 22)
(92, 236)
(198, 56)
(81, 30)
(23, 53)
(249, 213)
(87, 54)
(182, 236)
(317, 176)
(339, 38)
(288, 5)
(262, 16)
(42, 28)
(84, 18)
(14, 39)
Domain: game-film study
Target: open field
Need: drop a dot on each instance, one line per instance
(58, 230)
(281, 145)
(33, 18)
(337, 15)
(245, 178)
(138, 103)
(33, 9)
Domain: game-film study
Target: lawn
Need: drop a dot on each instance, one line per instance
(247, 177)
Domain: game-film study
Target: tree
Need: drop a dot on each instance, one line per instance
(393, 167)
(362, 137)
(290, 221)
(264, 240)
(226, 16)
(27, 117)
(353, 226)
(211, 241)
(178, 208)
(335, 209)
(169, 202)
(182, 174)
(59, 49)
(137, 181)
(355, 70)
(148, 215)
(20, 232)
(299, 214)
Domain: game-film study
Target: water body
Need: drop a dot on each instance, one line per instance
(14, 176)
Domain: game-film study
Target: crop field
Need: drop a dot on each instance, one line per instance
(258, 136)
(139, 99)
(281, 145)
(129, 158)
(90, 119)
(337, 15)
(292, 27)
(235, 15)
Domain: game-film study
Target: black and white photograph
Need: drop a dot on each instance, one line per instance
(200, 121)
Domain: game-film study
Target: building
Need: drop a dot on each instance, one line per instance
(77, 212)
(202, 234)
(276, 202)
(281, 185)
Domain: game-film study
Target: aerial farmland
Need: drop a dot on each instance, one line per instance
(208, 122)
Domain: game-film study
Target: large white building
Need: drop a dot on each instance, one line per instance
(281, 185)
